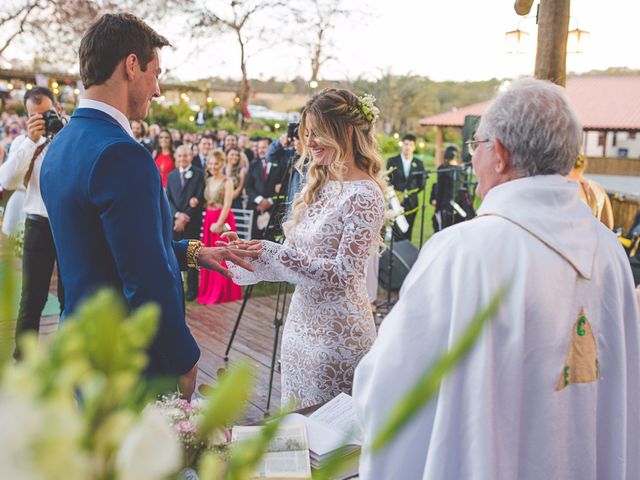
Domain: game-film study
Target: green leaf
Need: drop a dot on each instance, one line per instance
(8, 295)
(228, 399)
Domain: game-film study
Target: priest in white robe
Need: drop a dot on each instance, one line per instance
(551, 389)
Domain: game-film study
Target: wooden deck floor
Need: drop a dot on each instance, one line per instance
(212, 325)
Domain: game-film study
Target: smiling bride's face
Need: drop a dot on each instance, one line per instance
(321, 150)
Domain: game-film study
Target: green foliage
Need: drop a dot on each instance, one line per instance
(8, 290)
(405, 99)
(77, 406)
(228, 400)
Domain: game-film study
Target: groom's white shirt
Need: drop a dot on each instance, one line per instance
(113, 112)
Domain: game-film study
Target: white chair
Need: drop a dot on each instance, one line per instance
(244, 220)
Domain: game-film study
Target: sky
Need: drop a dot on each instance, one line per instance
(444, 40)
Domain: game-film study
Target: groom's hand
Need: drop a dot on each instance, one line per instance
(210, 257)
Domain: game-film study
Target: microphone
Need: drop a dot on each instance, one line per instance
(397, 209)
(458, 209)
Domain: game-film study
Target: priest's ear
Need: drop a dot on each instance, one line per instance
(504, 165)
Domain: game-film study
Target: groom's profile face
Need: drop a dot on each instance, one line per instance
(145, 87)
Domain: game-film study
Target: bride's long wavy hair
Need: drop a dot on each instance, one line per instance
(339, 125)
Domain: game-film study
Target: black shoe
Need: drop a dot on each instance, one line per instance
(191, 297)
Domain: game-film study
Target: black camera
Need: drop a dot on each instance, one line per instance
(52, 122)
(293, 130)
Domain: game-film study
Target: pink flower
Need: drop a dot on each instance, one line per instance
(186, 426)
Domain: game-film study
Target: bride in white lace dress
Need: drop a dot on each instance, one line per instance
(334, 229)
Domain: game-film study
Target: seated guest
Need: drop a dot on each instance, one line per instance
(163, 155)
(220, 136)
(231, 140)
(139, 133)
(244, 144)
(263, 185)
(185, 191)
(253, 146)
(551, 388)
(236, 169)
(218, 218)
(204, 147)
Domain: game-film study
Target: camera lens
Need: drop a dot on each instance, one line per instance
(53, 123)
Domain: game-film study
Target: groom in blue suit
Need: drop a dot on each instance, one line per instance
(109, 215)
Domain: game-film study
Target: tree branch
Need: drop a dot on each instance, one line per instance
(21, 26)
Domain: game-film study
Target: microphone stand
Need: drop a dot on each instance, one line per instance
(388, 303)
(423, 181)
(281, 299)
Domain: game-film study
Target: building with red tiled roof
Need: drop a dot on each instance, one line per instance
(609, 108)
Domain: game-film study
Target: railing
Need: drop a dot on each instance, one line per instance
(614, 166)
(624, 212)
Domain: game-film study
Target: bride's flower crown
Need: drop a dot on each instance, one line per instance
(367, 108)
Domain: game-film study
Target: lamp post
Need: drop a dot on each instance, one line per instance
(554, 38)
(553, 30)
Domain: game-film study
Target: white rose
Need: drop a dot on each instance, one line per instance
(151, 449)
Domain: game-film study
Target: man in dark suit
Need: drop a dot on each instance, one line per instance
(407, 179)
(185, 191)
(199, 160)
(264, 184)
(109, 215)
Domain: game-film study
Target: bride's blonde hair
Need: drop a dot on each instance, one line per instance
(339, 123)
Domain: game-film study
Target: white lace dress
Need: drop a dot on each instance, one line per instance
(329, 326)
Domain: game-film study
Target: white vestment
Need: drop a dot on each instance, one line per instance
(498, 415)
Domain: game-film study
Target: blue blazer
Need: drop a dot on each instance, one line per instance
(113, 227)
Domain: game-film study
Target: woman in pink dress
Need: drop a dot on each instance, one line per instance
(218, 193)
(163, 156)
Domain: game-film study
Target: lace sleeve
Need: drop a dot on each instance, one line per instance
(362, 220)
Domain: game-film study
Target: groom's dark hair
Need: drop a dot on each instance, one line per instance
(110, 40)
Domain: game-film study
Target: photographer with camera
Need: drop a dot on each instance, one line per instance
(23, 168)
(287, 150)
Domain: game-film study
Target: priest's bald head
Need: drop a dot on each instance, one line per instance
(529, 129)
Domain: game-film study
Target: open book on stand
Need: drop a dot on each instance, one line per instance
(330, 428)
(287, 455)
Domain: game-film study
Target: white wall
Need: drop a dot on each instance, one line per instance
(623, 140)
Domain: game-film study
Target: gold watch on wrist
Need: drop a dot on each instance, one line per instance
(193, 249)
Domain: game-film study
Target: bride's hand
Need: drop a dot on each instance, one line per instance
(233, 240)
(230, 236)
